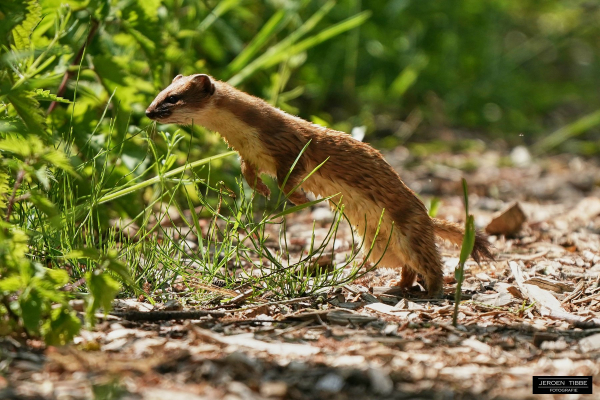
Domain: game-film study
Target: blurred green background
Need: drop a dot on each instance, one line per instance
(494, 69)
(408, 71)
(508, 73)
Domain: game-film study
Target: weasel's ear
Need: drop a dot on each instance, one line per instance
(177, 77)
(204, 83)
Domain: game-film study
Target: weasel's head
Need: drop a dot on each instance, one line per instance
(183, 100)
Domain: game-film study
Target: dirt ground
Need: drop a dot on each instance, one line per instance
(533, 311)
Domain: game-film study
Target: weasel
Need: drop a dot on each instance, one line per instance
(269, 140)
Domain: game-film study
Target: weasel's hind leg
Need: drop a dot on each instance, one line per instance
(407, 279)
(392, 257)
(425, 260)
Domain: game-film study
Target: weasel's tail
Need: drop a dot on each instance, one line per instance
(454, 233)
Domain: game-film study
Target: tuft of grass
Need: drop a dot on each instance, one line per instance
(465, 251)
(191, 230)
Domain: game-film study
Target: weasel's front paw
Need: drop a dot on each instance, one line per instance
(263, 189)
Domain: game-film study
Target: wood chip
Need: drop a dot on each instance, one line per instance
(508, 222)
(549, 284)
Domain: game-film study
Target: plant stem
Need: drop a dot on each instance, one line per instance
(11, 201)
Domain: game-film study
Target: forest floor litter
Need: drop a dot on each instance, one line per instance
(534, 310)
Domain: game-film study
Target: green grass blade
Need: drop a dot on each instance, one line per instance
(319, 38)
(465, 251)
(277, 22)
(283, 45)
(300, 207)
(306, 177)
(434, 206)
(221, 8)
(468, 240)
(151, 181)
(573, 129)
(466, 197)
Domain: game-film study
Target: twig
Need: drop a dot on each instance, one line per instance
(274, 303)
(250, 321)
(165, 315)
(76, 61)
(240, 298)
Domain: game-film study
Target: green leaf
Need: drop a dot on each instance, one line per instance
(325, 34)
(31, 310)
(434, 206)
(11, 284)
(465, 251)
(12, 12)
(103, 289)
(109, 69)
(120, 269)
(12, 124)
(58, 159)
(29, 110)
(569, 131)
(43, 176)
(150, 8)
(408, 76)
(286, 48)
(156, 179)
(62, 326)
(283, 45)
(22, 33)
(89, 252)
(58, 277)
(466, 197)
(4, 190)
(17, 243)
(101, 8)
(43, 204)
(220, 9)
(17, 145)
(145, 43)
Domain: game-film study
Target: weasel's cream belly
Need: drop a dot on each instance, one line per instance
(242, 137)
(365, 215)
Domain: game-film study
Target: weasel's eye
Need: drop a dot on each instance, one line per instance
(171, 99)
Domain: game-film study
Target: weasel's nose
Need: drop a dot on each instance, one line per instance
(150, 113)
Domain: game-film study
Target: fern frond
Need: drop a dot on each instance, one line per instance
(22, 33)
(45, 95)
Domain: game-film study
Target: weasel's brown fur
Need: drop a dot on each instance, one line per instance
(269, 141)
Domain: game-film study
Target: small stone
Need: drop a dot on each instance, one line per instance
(520, 156)
(507, 222)
(331, 383)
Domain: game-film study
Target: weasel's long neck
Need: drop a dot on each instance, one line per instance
(223, 116)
